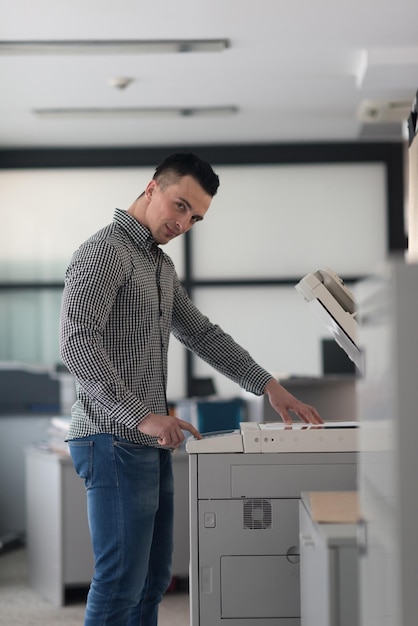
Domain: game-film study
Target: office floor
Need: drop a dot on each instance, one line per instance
(21, 606)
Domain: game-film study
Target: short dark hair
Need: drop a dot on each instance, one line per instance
(187, 164)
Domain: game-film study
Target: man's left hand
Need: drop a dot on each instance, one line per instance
(282, 401)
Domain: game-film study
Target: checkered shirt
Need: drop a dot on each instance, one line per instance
(122, 299)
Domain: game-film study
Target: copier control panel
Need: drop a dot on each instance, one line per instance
(254, 437)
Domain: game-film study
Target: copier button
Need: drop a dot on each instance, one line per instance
(210, 520)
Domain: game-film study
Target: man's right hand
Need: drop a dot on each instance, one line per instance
(167, 428)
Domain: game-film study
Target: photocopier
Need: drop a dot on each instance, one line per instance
(245, 488)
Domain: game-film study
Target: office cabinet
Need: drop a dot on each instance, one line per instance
(329, 577)
(58, 541)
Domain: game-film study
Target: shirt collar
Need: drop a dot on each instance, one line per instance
(137, 231)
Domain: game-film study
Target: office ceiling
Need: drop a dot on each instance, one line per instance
(292, 71)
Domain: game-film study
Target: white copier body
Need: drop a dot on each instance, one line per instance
(245, 488)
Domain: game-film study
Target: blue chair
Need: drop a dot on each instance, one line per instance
(218, 415)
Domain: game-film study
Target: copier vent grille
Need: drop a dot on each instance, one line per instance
(257, 514)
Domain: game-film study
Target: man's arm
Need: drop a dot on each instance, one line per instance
(219, 349)
(92, 283)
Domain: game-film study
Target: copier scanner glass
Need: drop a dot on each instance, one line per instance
(334, 304)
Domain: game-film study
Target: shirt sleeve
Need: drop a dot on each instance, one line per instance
(208, 341)
(91, 285)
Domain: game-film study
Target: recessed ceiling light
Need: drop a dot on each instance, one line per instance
(117, 46)
(120, 82)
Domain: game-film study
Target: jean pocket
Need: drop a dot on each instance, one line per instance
(82, 456)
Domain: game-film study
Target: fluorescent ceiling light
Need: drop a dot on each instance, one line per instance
(123, 112)
(117, 46)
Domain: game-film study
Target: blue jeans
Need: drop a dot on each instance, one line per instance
(130, 512)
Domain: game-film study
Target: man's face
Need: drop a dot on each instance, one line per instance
(173, 210)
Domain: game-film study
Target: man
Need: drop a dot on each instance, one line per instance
(121, 301)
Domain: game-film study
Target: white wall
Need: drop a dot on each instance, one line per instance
(270, 221)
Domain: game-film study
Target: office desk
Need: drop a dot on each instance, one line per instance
(58, 540)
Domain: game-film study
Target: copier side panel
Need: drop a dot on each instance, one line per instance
(194, 581)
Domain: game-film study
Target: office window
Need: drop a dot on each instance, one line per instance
(282, 220)
(29, 326)
(48, 213)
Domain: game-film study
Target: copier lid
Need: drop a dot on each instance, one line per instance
(334, 304)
